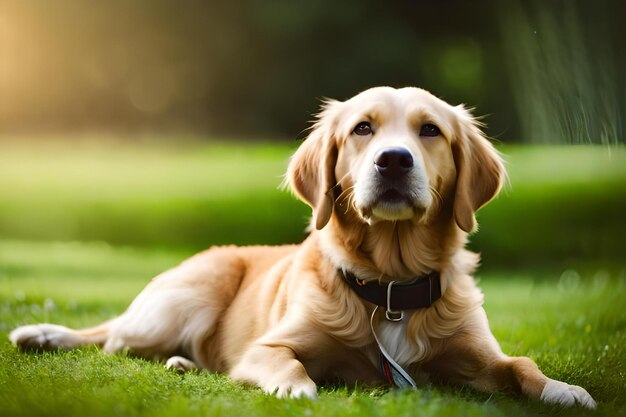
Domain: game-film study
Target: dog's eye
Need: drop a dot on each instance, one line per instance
(429, 130)
(363, 129)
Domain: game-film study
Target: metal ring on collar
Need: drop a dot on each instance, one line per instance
(390, 314)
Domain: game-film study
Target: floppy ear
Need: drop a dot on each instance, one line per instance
(480, 172)
(311, 172)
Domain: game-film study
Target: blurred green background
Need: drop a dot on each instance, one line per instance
(168, 125)
(564, 207)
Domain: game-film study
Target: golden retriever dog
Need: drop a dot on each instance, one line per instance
(380, 291)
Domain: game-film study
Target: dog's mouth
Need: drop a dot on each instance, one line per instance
(393, 196)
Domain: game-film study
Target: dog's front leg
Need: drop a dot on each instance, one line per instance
(473, 357)
(276, 370)
(522, 374)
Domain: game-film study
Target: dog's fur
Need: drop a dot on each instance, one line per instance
(282, 318)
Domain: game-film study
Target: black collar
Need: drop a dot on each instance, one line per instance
(420, 292)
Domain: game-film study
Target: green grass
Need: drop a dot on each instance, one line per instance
(572, 325)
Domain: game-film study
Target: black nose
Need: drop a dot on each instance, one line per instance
(392, 163)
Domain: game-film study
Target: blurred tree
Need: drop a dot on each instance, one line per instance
(563, 60)
(252, 68)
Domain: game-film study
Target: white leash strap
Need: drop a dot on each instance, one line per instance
(390, 368)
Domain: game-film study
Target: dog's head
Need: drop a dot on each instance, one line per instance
(396, 154)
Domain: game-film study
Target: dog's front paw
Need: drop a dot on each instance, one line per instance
(304, 389)
(557, 392)
(275, 371)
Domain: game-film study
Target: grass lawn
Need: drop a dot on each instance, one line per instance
(84, 227)
(572, 325)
